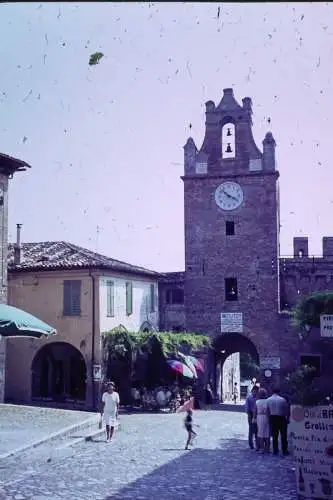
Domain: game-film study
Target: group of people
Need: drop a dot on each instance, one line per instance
(268, 417)
(161, 397)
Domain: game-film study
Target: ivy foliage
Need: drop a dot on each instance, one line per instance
(121, 343)
(309, 309)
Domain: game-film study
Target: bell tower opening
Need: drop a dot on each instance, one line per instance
(228, 141)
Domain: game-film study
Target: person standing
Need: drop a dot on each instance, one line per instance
(250, 408)
(110, 408)
(279, 414)
(208, 398)
(261, 418)
(235, 393)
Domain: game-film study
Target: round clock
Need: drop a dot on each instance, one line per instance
(229, 195)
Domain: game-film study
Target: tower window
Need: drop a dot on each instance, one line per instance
(228, 141)
(231, 290)
(229, 228)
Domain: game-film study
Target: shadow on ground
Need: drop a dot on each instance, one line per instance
(231, 472)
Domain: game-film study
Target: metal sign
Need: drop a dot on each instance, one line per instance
(326, 325)
(232, 322)
(270, 363)
(97, 373)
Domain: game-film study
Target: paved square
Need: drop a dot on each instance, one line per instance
(147, 460)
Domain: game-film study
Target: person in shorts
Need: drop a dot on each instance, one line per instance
(110, 408)
(189, 427)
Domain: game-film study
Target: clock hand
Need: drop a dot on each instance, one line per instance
(230, 196)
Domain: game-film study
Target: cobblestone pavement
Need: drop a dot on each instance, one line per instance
(21, 425)
(147, 460)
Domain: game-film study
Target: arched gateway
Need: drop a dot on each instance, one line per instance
(58, 373)
(227, 363)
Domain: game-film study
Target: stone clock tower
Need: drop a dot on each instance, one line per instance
(232, 233)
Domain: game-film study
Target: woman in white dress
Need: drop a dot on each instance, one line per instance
(261, 416)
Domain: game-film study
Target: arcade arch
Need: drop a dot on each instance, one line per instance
(58, 373)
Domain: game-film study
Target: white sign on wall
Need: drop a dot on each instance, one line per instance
(311, 432)
(97, 373)
(255, 165)
(270, 363)
(232, 322)
(201, 168)
(326, 325)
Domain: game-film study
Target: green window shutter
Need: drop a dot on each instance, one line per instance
(67, 298)
(152, 298)
(72, 298)
(110, 298)
(129, 298)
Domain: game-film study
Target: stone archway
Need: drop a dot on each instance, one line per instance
(227, 349)
(58, 373)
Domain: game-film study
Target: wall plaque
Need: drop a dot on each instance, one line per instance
(232, 322)
(255, 165)
(201, 168)
(270, 363)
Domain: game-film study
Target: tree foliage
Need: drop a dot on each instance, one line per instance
(300, 387)
(309, 309)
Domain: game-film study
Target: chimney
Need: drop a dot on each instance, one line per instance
(17, 246)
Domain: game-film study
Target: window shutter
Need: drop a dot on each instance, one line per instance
(67, 298)
(129, 298)
(110, 298)
(152, 298)
(72, 298)
(76, 298)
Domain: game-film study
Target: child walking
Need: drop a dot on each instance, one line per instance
(189, 427)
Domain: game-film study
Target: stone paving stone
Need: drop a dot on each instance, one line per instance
(21, 425)
(147, 460)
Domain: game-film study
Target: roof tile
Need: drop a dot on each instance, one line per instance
(50, 255)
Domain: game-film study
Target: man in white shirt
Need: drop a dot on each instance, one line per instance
(279, 414)
(110, 408)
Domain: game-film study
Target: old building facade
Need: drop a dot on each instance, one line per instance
(82, 294)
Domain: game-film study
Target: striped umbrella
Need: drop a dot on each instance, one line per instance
(197, 363)
(179, 367)
(189, 363)
(193, 363)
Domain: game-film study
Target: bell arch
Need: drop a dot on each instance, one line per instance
(58, 373)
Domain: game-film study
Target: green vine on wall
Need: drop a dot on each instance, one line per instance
(120, 342)
(309, 309)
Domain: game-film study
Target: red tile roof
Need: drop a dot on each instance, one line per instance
(51, 255)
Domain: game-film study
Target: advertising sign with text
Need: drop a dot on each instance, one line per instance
(311, 433)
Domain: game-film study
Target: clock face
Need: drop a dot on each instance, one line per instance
(229, 195)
